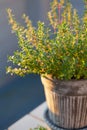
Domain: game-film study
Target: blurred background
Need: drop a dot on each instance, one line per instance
(18, 96)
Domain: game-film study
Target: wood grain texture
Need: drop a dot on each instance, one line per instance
(65, 110)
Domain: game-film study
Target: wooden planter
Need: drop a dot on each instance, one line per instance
(67, 102)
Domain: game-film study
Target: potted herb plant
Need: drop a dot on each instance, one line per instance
(58, 53)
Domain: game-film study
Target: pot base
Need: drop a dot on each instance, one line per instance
(55, 127)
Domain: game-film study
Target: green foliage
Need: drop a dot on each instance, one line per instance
(59, 49)
(39, 128)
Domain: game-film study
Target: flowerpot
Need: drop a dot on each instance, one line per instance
(67, 102)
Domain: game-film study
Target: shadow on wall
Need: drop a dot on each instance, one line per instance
(19, 98)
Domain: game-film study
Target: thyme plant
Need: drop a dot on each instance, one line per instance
(39, 128)
(59, 49)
